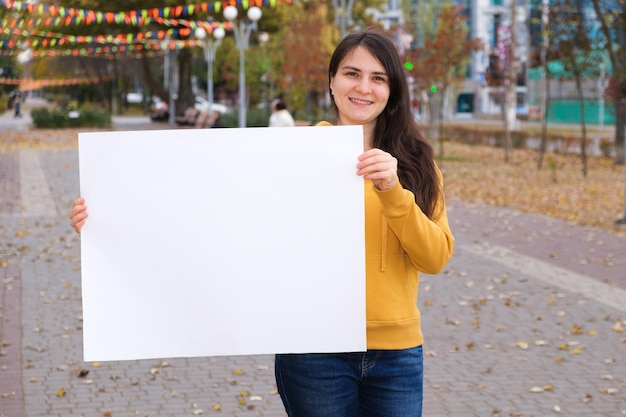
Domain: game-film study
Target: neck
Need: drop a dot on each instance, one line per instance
(368, 136)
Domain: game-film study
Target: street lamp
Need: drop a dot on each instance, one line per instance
(263, 38)
(242, 36)
(210, 46)
(343, 14)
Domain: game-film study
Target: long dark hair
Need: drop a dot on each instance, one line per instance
(396, 131)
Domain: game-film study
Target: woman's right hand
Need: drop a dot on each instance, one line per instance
(78, 214)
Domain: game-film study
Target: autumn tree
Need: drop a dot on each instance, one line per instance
(306, 46)
(442, 60)
(574, 48)
(611, 17)
(504, 71)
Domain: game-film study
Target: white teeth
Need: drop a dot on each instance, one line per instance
(360, 101)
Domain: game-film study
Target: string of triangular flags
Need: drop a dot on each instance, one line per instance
(27, 84)
(132, 16)
(161, 39)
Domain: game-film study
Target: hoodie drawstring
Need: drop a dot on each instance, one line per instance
(383, 252)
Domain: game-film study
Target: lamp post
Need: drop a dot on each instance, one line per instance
(343, 14)
(242, 37)
(173, 83)
(210, 46)
(263, 38)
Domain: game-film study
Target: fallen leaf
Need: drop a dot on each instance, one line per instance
(61, 392)
(522, 345)
(610, 391)
(576, 330)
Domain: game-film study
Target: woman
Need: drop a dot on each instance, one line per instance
(280, 115)
(406, 232)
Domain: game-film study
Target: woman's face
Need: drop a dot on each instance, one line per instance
(360, 88)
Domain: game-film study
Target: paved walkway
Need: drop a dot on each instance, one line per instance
(526, 320)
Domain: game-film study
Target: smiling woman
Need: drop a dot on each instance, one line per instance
(406, 232)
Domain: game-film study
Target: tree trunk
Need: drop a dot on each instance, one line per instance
(620, 125)
(440, 135)
(507, 126)
(510, 85)
(583, 125)
(544, 118)
(151, 81)
(433, 117)
(185, 94)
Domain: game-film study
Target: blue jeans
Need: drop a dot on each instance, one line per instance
(376, 383)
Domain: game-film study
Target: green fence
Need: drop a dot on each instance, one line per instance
(568, 111)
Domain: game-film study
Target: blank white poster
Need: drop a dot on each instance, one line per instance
(206, 242)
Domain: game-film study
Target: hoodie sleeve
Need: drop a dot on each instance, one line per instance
(427, 243)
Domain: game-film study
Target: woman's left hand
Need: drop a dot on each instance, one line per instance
(380, 167)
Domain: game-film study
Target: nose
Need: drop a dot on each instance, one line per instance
(363, 86)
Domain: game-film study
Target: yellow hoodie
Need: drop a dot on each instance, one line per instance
(400, 242)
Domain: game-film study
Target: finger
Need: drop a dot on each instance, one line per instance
(78, 226)
(371, 152)
(78, 206)
(77, 220)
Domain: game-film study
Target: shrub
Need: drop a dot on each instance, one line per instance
(3, 103)
(59, 117)
(606, 147)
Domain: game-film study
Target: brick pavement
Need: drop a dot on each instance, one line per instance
(524, 321)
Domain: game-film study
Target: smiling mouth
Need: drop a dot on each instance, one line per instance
(357, 101)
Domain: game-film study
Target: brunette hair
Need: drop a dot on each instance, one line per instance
(396, 131)
(278, 104)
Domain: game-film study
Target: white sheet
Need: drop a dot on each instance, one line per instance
(222, 242)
